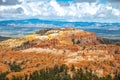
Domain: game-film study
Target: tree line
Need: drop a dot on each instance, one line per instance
(60, 73)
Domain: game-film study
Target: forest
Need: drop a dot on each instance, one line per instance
(59, 73)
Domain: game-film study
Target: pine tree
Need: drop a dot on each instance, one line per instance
(3, 76)
(72, 68)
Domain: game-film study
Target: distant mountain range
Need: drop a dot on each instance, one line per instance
(17, 28)
(4, 38)
(26, 21)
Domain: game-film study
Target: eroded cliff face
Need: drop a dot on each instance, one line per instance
(59, 46)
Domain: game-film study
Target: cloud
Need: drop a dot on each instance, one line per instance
(114, 1)
(85, 1)
(69, 11)
(9, 2)
(64, 3)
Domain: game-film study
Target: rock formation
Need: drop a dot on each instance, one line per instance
(56, 47)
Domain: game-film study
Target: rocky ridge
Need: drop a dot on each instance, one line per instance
(59, 46)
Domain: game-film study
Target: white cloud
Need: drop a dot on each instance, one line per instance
(101, 15)
(58, 9)
(3, 1)
(109, 7)
(116, 12)
(84, 11)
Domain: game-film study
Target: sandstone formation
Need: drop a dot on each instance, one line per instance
(59, 46)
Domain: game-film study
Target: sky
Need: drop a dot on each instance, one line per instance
(64, 10)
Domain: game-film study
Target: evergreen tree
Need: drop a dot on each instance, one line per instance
(3, 76)
(72, 68)
(60, 73)
(15, 67)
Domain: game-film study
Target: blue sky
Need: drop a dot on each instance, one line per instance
(67, 10)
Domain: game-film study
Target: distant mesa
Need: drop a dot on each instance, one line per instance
(43, 31)
(4, 38)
